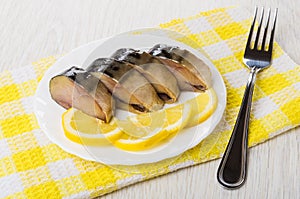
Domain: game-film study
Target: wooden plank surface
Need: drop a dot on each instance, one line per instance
(32, 29)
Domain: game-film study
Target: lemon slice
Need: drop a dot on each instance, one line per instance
(171, 120)
(87, 130)
(139, 132)
(203, 106)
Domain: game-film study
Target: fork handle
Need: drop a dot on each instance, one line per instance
(232, 169)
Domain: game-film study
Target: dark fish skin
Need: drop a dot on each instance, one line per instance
(112, 68)
(154, 70)
(127, 54)
(79, 89)
(126, 84)
(163, 50)
(191, 72)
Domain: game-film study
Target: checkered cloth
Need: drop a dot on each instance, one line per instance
(31, 166)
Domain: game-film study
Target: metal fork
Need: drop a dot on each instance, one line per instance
(233, 167)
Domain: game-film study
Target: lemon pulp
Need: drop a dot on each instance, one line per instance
(174, 119)
(203, 107)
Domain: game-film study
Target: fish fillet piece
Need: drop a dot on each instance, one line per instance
(154, 70)
(191, 72)
(126, 84)
(79, 89)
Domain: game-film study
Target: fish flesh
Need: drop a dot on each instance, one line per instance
(191, 72)
(154, 70)
(126, 84)
(79, 89)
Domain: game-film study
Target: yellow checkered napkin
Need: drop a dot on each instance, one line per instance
(33, 167)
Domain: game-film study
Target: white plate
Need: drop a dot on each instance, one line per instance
(49, 113)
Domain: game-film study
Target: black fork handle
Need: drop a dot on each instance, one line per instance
(233, 167)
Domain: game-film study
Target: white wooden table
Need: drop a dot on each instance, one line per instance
(32, 29)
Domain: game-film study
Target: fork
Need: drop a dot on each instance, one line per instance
(233, 167)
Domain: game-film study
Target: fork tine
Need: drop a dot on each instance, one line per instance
(259, 27)
(273, 31)
(263, 45)
(248, 45)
